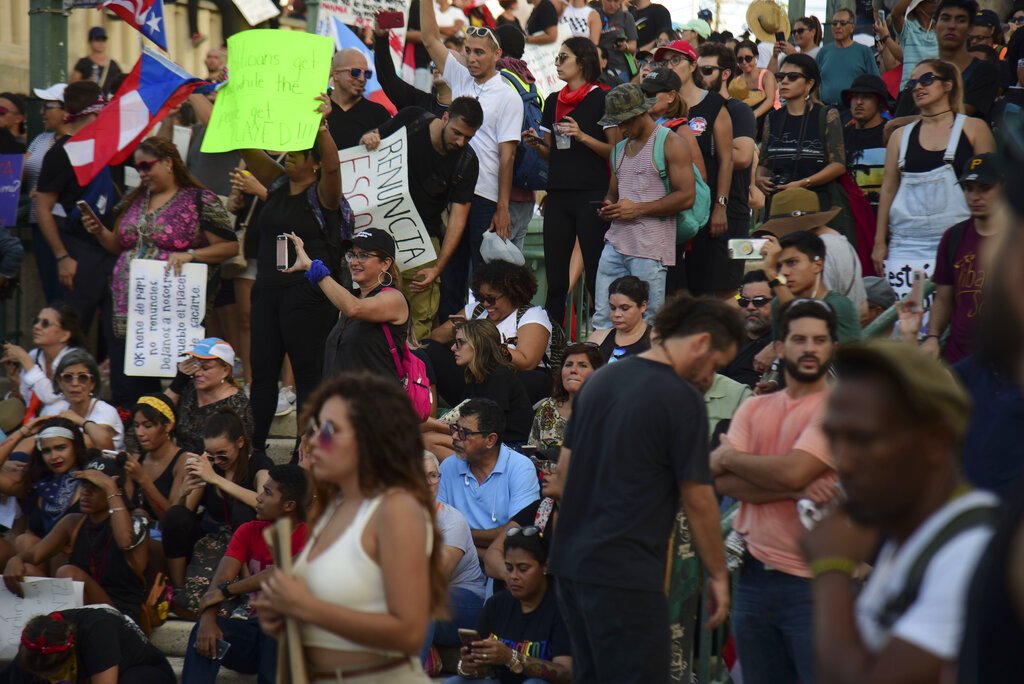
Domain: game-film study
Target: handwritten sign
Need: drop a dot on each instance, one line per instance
(269, 103)
(165, 316)
(361, 13)
(376, 185)
(42, 597)
(257, 11)
(541, 60)
(10, 187)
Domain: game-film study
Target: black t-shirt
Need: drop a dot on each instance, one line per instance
(435, 180)
(701, 121)
(58, 176)
(650, 21)
(543, 17)
(579, 167)
(504, 387)
(538, 634)
(104, 638)
(106, 77)
(347, 127)
(623, 491)
(981, 86)
(419, 53)
(744, 125)
(742, 367)
(225, 509)
(355, 345)
(96, 552)
(865, 158)
(287, 213)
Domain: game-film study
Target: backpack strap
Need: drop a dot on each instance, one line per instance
(477, 310)
(617, 152)
(417, 124)
(394, 350)
(660, 136)
(905, 144)
(954, 138)
(966, 520)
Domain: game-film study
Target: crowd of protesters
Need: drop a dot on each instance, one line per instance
(802, 255)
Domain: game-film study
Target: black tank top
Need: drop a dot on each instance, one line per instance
(919, 159)
(97, 553)
(287, 213)
(164, 483)
(357, 345)
(701, 119)
(611, 351)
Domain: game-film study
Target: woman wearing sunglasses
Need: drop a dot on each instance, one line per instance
(552, 414)
(758, 81)
(371, 576)
(920, 197)
(78, 379)
(169, 217)
(525, 617)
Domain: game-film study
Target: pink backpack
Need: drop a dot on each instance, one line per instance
(413, 374)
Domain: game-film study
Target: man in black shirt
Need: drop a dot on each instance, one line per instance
(866, 99)
(651, 19)
(351, 114)
(637, 443)
(755, 301)
(443, 170)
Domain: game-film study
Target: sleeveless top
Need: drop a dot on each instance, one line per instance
(96, 552)
(702, 117)
(164, 482)
(760, 86)
(343, 574)
(356, 345)
(648, 237)
(919, 159)
(613, 352)
(577, 19)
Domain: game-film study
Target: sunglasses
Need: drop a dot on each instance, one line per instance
(745, 59)
(487, 300)
(561, 57)
(462, 433)
(758, 301)
(708, 70)
(42, 322)
(146, 166)
(788, 76)
(1016, 20)
(356, 72)
(80, 378)
(482, 32)
(530, 531)
(924, 80)
(839, 22)
(799, 31)
(325, 436)
(807, 300)
(543, 465)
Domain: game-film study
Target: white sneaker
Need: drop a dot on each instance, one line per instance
(285, 401)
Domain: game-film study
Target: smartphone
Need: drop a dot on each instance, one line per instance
(780, 37)
(86, 210)
(916, 290)
(390, 20)
(222, 649)
(282, 252)
(468, 636)
(881, 15)
(747, 249)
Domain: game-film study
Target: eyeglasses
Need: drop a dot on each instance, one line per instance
(42, 322)
(799, 31)
(75, 378)
(462, 433)
(745, 59)
(325, 436)
(482, 32)
(433, 477)
(758, 301)
(530, 531)
(361, 257)
(677, 60)
(543, 465)
(487, 300)
(924, 80)
(840, 22)
(358, 73)
(561, 57)
(146, 166)
(708, 69)
(788, 76)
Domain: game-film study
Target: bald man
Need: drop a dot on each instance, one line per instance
(352, 114)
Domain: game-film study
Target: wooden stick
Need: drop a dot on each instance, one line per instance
(291, 663)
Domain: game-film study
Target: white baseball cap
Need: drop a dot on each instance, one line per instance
(54, 93)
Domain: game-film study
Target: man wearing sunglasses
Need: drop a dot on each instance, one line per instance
(755, 301)
(352, 114)
(843, 60)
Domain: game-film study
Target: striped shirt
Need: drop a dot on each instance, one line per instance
(650, 237)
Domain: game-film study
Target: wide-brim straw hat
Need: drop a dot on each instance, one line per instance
(765, 19)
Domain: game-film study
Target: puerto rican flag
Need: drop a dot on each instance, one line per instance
(145, 16)
(154, 87)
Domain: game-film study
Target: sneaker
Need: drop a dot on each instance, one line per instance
(285, 401)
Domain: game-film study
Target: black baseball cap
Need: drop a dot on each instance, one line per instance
(661, 80)
(983, 168)
(987, 17)
(108, 465)
(372, 240)
(97, 33)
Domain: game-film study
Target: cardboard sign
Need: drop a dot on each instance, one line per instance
(165, 316)
(541, 60)
(42, 597)
(376, 185)
(359, 13)
(257, 11)
(10, 187)
(269, 103)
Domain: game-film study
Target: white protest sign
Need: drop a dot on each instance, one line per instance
(42, 597)
(165, 316)
(257, 11)
(376, 185)
(900, 274)
(359, 13)
(541, 60)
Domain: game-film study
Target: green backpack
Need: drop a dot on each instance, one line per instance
(689, 221)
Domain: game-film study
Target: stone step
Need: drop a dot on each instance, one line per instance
(279, 449)
(172, 637)
(224, 676)
(283, 426)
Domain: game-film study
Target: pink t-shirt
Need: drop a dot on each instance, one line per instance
(772, 425)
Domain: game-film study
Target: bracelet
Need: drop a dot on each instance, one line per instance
(847, 566)
(112, 511)
(62, 258)
(113, 495)
(938, 337)
(460, 671)
(87, 421)
(317, 272)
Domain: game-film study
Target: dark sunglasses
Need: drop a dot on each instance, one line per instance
(463, 433)
(839, 22)
(781, 76)
(42, 322)
(146, 166)
(758, 301)
(1016, 20)
(799, 31)
(486, 301)
(530, 531)
(708, 69)
(747, 58)
(325, 436)
(561, 57)
(359, 73)
(80, 378)
(925, 80)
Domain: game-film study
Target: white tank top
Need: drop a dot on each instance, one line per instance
(345, 575)
(577, 19)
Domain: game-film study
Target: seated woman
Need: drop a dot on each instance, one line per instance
(525, 616)
(32, 373)
(159, 469)
(370, 578)
(552, 415)
(78, 378)
(502, 293)
(203, 387)
(93, 645)
(224, 480)
(629, 334)
(104, 544)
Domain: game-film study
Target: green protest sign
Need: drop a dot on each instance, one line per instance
(269, 102)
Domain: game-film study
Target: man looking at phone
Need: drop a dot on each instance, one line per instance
(960, 262)
(351, 114)
(774, 450)
(250, 651)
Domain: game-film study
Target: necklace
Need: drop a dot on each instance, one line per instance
(932, 116)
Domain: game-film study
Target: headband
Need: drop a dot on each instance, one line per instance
(39, 644)
(54, 431)
(159, 405)
(94, 108)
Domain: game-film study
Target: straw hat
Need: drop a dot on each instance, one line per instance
(738, 90)
(765, 19)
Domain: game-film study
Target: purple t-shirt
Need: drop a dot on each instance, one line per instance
(965, 275)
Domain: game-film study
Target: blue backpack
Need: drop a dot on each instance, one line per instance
(530, 170)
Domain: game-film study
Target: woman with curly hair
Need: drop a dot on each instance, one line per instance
(502, 293)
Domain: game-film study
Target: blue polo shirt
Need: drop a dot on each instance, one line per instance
(510, 488)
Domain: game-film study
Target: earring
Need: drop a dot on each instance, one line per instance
(380, 279)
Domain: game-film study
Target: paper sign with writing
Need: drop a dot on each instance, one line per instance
(257, 11)
(165, 316)
(359, 13)
(269, 102)
(42, 597)
(376, 185)
(541, 60)
(10, 187)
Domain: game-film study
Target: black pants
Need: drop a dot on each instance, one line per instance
(181, 529)
(456, 276)
(92, 286)
(156, 671)
(568, 215)
(627, 645)
(293, 320)
(708, 266)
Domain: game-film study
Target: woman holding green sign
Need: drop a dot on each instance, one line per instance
(290, 315)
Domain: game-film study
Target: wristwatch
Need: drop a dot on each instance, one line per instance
(224, 590)
(777, 281)
(518, 663)
(722, 201)
(192, 253)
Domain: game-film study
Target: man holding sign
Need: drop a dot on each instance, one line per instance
(442, 170)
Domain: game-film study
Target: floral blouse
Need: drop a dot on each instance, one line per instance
(548, 425)
(177, 226)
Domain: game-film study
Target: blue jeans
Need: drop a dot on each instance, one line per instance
(521, 213)
(613, 266)
(455, 277)
(465, 607)
(251, 652)
(772, 621)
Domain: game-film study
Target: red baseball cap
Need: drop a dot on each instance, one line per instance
(681, 46)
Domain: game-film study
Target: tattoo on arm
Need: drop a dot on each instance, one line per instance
(836, 149)
(546, 670)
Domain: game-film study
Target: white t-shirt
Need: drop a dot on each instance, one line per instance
(843, 273)
(507, 328)
(449, 17)
(503, 120)
(577, 19)
(455, 532)
(100, 412)
(935, 621)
